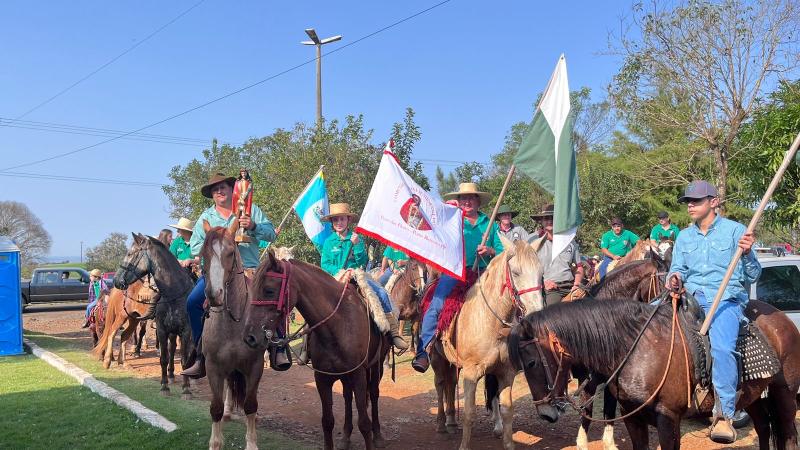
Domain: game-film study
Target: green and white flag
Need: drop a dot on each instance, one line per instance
(547, 156)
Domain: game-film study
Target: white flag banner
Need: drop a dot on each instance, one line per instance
(400, 213)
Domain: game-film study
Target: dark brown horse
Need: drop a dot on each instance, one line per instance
(599, 335)
(406, 293)
(343, 342)
(228, 358)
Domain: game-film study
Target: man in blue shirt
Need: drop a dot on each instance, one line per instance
(700, 259)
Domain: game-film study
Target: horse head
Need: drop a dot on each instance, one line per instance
(136, 264)
(521, 276)
(269, 296)
(221, 262)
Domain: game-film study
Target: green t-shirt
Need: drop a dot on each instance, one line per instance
(335, 250)
(619, 245)
(395, 255)
(180, 249)
(473, 234)
(658, 233)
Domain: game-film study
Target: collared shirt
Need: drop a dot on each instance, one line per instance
(702, 260)
(658, 233)
(620, 244)
(97, 289)
(559, 270)
(473, 234)
(180, 249)
(392, 254)
(514, 233)
(335, 250)
(249, 251)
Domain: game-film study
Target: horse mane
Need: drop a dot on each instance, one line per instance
(596, 334)
(637, 253)
(621, 276)
(171, 263)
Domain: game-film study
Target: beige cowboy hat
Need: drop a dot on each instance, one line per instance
(217, 178)
(466, 189)
(184, 224)
(339, 209)
(96, 273)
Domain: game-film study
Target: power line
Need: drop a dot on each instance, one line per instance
(114, 59)
(43, 176)
(230, 94)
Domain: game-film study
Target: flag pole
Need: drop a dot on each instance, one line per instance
(753, 222)
(494, 212)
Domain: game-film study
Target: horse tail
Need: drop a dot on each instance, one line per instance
(491, 387)
(111, 315)
(237, 385)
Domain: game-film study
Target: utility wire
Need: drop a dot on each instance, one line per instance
(230, 94)
(114, 59)
(79, 179)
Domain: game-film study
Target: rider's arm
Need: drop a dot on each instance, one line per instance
(384, 263)
(327, 261)
(360, 253)
(750, 265)
(678, 265)
(494, 240)
(263, 231)
(198, 236)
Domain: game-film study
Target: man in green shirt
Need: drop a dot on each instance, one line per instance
(665, 230)
(393, 259)
(615, 244)
(470, 199)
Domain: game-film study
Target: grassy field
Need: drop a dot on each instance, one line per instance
(50, 410)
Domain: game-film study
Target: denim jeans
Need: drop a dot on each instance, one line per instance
(603, 269)
(89, 308)
(194, 306)
(431, 319)
(385, 277)
(386, 302)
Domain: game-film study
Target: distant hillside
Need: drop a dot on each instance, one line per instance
(61, 259)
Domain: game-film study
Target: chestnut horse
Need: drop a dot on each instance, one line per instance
(343, 342)
(125, 309)
(621, 337)
(406, 293)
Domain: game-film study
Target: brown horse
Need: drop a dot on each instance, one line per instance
(600, 335)
(343, 343)
(405, 289)
(509, 288)
(228, 359)
(125, 309)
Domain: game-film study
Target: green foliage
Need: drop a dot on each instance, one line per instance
(108, 253)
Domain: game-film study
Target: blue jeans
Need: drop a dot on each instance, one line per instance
(431, 319)
(603, 269)
(385, 277)
(386, 302)
(194, 306)
(89, 307)
(723, 335)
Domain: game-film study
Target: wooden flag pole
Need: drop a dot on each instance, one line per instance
(753, 222)
(494, 212)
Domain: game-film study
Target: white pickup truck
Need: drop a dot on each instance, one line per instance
(779, 284)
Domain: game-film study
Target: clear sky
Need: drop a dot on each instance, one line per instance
(470, 69)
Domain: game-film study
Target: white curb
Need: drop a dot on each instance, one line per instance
(86, 379)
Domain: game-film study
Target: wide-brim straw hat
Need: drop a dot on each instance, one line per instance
(505, 209)
(339, 209)
(469, 189)
(96, 273)
(547, 211)
(217, 178)
(184, 224)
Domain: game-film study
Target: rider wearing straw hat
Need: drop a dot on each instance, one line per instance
(97, 289)
(470, 199)
(336, 255)
(180, 245)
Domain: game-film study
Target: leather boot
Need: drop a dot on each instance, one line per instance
(421, 363)
(302, 359)
(722, 431)
(198, 369)
(394, 330)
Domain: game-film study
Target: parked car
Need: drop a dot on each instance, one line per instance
(108, 279)
(55, 284)
(779, 284)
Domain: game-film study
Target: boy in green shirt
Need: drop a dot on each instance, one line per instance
(665, 230)
(615, 244)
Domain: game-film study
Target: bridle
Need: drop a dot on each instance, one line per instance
(226, 307)
(281, 302)
(555, 348)
(515, 294)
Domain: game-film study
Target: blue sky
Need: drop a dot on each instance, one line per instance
(470, 69)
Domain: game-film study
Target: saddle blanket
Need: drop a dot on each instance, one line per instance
(370, 298)
(453, 302)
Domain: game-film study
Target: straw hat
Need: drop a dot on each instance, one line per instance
(217, 178)
(96, 273)
(184, 224)
(547, 211)
(339, 209)
(467, 189)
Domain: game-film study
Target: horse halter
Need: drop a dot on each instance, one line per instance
(516, 295)
(225, 306)
(281, 303)
(555, 348)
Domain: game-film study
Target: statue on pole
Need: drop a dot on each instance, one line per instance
(243, 201)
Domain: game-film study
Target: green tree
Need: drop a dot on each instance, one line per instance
(107, 255)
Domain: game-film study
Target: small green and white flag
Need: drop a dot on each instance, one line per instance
(547, 156)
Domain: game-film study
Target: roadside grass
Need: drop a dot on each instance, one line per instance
(191, 416)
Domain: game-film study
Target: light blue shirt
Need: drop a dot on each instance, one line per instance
(702, 260)
(263, 231)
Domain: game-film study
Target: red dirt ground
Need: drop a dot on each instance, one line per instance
(288, 403)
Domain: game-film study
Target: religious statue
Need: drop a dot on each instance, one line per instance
(243, 201)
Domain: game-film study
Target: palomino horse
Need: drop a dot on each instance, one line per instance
(228, 358)
(148, 256)
(125, 309)
(621, 338)
(343, 342)
(508, 289)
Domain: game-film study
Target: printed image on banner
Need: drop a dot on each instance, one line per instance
(401, 214)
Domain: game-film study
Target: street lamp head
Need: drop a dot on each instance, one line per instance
(331, 39)
(312, 34)
(308, 43)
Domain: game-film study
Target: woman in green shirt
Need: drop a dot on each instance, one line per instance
(337, 255)
(180, 245)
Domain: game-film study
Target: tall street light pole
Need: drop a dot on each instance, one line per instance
(312, 34)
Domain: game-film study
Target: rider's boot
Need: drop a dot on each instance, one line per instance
(421, 362)
(722, 431)
(394, 330)
(198, 369)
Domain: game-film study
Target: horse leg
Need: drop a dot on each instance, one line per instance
(110, 346)
(669, 431)
(359, 380)
(451, 381)
(186, 350)
(374, 384)
(506, 382)
(161, 334)
(250, 405)
(637, 430)
(123, 340)
(173, 346)
(324, 385)
(783, 405)
(582, 441)
(609, 412)
(228, 402)
(470, 375)
(347, 428)
(142, 328)
(217, 384)
(761, 423)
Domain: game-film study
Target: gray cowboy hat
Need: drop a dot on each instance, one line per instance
(217, 178)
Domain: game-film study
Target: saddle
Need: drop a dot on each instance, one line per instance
(368, 296)
(452, 304)
(756, 360)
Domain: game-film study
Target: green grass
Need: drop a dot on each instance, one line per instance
(50, 410)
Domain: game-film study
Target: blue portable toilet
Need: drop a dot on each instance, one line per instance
(10, 298)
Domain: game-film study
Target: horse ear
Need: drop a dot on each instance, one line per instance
(233, 226)
(135, 237)
(507, 244)
(206, 226)
(270, 259)
(537, 244)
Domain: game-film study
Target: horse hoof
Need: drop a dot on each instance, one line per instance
(452, 429)
(498, 433)
(343, 444)
(379, 442)
(186, 396)
(440, 428)
(164, 392)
